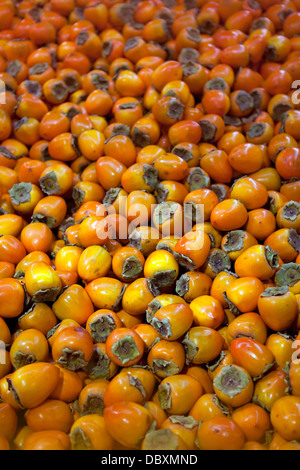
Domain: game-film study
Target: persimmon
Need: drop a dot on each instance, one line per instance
(149, 225)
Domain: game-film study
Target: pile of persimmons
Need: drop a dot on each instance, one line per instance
(150, 225)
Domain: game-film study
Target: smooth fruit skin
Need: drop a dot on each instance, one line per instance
(202, 344)
(34, 383)
(149, 225)
(72, 348)
(285, 416)
(253, 420)
(90, 432)
(278, 308)
(233, 385)
(171, 391)
(244, 292)
(51, 414)
(4, 443)
(220, 433)
(173, 321)
(11, 288)
(127, 422)
(229, 215)
(124, 347)
(42, 282)
(74, 303)
(47, 440)
(30, 346)
(8, 421)
(254, 356)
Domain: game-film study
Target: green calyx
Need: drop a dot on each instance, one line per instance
(163, 327)
(78, 196)
(125, 349)
(294, 239)
(275, 291)
(272, 257)
(79, 440)
(161, 439)
(94, 404)
(121, 129)
(98, 365)
(46, 295)
(44, 219)
(161, 193)
(49, 184)
(185, 261)
(164, 278)
(150, 175)
(101, 328)
(234, 241)
(220, 191)
(193, 211)
(256, 130)
(140, 138)
(110, 196)
(288, 274)
(231, 381)
(187, 422)
(209, 131)
(135, 240)
(244, 101)
(99, 81)
(291, 210)
(218, 261)
(153, 307)
(13, 391)
(164, 212)
(216, 362)
(72, 360)
(116, 305)
(20, 193)
(164, 395)
(136, 383)
(22, 359)
(165, 368)
(175, 109)
(183, 152)
(132, 268)
(217, 83)
(190, 348)
(231, 305)
(224, 408)
(182, 285)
